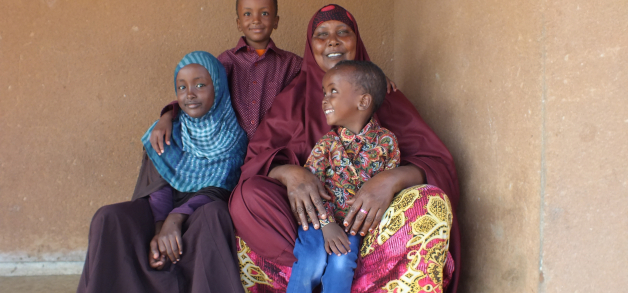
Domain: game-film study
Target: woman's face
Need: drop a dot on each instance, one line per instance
(332, 42)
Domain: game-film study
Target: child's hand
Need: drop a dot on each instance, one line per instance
(161, 129)
(390, 85)
(156, 260)
(169, 239)
(336, 240)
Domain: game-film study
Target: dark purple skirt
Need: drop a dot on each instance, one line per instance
(117, 255)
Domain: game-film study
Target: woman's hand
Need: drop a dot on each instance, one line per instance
(390, 85)
(305, 191)
(371, 201)
(336, 240)
(162, 129)
(168, 240)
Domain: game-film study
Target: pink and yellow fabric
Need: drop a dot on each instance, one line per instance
(408, 253)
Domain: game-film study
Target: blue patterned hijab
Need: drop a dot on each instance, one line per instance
(205, 151)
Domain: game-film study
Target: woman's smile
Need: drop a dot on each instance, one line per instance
(332, 42)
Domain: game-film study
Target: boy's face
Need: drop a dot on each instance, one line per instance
(341, 100)
(257, 19)
(195, 90)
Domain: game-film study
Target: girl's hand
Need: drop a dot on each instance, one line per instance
(156, 260)
(305, 191)
(169, 238)
(372, 200)
(390, 85)
(336, 240)
(162, 129)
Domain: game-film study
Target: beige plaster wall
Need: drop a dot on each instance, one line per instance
(585, 210)
(80, 82)
(473, 71)
(530, 97)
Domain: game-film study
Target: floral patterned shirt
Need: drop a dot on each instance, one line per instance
(343, 161)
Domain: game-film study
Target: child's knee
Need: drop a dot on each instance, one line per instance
(123, 212)
(311, 265)
(107, 212)
(344, 263)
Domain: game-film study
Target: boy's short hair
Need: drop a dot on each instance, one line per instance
(274, 2)
(368, 77)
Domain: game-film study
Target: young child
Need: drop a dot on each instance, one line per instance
(202, 163)
(346, 157)
(256, 69)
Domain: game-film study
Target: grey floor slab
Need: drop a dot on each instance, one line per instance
(39, 284)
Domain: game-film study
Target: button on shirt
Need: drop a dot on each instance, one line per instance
(255, 81)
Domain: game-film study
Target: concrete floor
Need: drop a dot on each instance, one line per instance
(39, 284)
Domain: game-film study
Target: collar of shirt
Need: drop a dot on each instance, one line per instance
(367, 134)
(242, 46)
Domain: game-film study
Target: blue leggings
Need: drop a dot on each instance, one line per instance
(314, 265)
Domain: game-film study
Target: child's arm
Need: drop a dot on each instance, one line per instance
(390, 85)
(336, 239)
(163, 128)
(161, 204)
(167, 240)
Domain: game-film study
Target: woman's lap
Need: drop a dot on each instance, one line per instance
(408, 251)
(249, 206)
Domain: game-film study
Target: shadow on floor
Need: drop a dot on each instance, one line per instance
(39, 284)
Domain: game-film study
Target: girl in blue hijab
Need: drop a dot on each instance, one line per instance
(180, 199)
(208, 145)
(202, 162)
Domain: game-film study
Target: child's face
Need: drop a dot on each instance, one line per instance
(195, 90)
(257, 19)
(341, 100)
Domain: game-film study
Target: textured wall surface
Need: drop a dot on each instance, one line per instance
(474, 73)
(585, 210)
(530, 97)
(80, 82)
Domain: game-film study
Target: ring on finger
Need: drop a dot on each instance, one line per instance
(363, 211)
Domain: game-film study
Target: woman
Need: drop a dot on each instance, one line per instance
(407, 248)
(176, 235)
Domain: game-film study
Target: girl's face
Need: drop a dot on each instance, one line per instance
(195, 90)
(332, 42)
